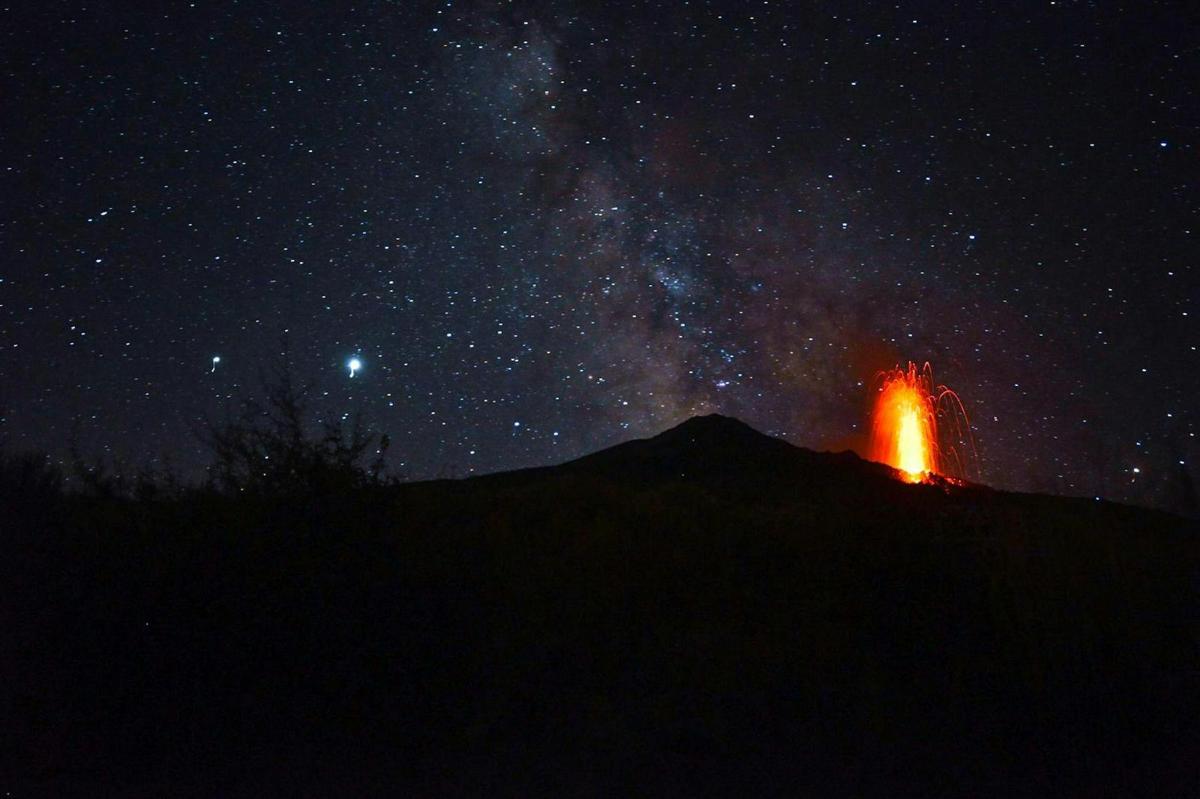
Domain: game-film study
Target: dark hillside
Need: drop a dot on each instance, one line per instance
(707, 612)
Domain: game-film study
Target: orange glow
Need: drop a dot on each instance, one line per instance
(904, 424)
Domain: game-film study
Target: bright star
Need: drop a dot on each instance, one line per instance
(354, 364)
(216, 360)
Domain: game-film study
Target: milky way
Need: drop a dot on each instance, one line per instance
(545, 228)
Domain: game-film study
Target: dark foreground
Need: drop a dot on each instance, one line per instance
(707, 613)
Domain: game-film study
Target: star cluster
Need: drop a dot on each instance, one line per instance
(542, 228)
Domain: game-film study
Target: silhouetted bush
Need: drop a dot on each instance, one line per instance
(29, 477)
(268, 449)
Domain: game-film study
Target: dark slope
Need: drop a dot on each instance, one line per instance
(707, 612)
(724, 454)
(721, 452)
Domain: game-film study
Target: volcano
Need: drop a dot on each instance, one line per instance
(711, 611)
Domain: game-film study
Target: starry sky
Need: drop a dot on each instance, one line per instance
(547, 227)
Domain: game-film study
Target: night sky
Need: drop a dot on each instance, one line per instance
(545, 228)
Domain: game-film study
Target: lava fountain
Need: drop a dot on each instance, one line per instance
(905, 432)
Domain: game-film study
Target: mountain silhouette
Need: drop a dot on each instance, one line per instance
(714, 450)
(710, 611)
(706, 448)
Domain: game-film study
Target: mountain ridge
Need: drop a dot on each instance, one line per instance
(692, 446)
(704, 447)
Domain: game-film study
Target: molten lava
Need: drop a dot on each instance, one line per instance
(904, 424)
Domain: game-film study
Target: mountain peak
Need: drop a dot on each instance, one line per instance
(720, 450)
(710, 445)
(712, 425)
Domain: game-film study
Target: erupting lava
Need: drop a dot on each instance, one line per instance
(904, 424)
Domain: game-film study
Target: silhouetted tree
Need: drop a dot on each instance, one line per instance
(29, 478)
(1180, 493)
(268, 449)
